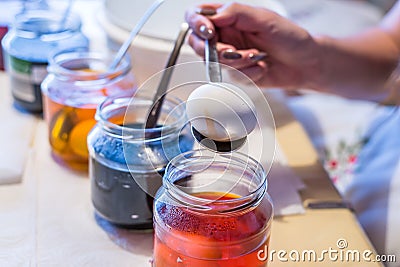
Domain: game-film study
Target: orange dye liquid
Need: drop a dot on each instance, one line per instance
(200, 240)
(68, 130)
(70, 124)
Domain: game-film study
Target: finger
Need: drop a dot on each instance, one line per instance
(228, 54)
(242, 58)
(256, 73)
(206, 10)
(246, 75)
(198, 45)
(200, 24)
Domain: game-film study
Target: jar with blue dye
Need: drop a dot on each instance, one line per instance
(34, 36)
(127, 161)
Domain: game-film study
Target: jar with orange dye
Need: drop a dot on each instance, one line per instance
(78, 81)
(212, 210)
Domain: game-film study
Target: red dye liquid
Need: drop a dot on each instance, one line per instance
(3, 31)
(188, 238)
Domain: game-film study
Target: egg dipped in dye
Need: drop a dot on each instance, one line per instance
(221, 111)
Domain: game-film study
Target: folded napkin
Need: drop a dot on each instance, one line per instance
(283, 184)
(16, 135)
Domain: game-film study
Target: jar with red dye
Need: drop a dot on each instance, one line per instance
(212, 210)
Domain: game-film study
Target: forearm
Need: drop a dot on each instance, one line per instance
(359, 66)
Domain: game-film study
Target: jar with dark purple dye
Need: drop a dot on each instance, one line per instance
(127, 162)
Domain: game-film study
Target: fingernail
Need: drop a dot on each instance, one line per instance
(230, 54)
(206, 11)
(258, 57)
(205, 32)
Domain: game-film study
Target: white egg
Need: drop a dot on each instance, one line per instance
(221, 111)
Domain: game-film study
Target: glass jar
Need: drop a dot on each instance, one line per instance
(127, 161)
(8, 10)
(212, 210)
(36, 34)
(76, 84)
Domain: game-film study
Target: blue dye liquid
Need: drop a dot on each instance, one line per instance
(117, 191)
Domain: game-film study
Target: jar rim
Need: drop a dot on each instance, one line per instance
(80, 55)
(198, 202)
(51, 21)
(139, 134)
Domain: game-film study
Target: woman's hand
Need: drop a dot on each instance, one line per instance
(357, 66)
(245, 34)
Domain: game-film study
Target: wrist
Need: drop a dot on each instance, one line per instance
(317, 74)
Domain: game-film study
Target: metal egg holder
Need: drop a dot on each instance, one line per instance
(214, 76)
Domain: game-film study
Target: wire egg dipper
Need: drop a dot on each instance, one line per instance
(221, 114)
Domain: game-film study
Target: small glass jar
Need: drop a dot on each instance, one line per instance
(36, 34)
(127, 161)
(76, 84)
(8, 10)
(212, 210)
